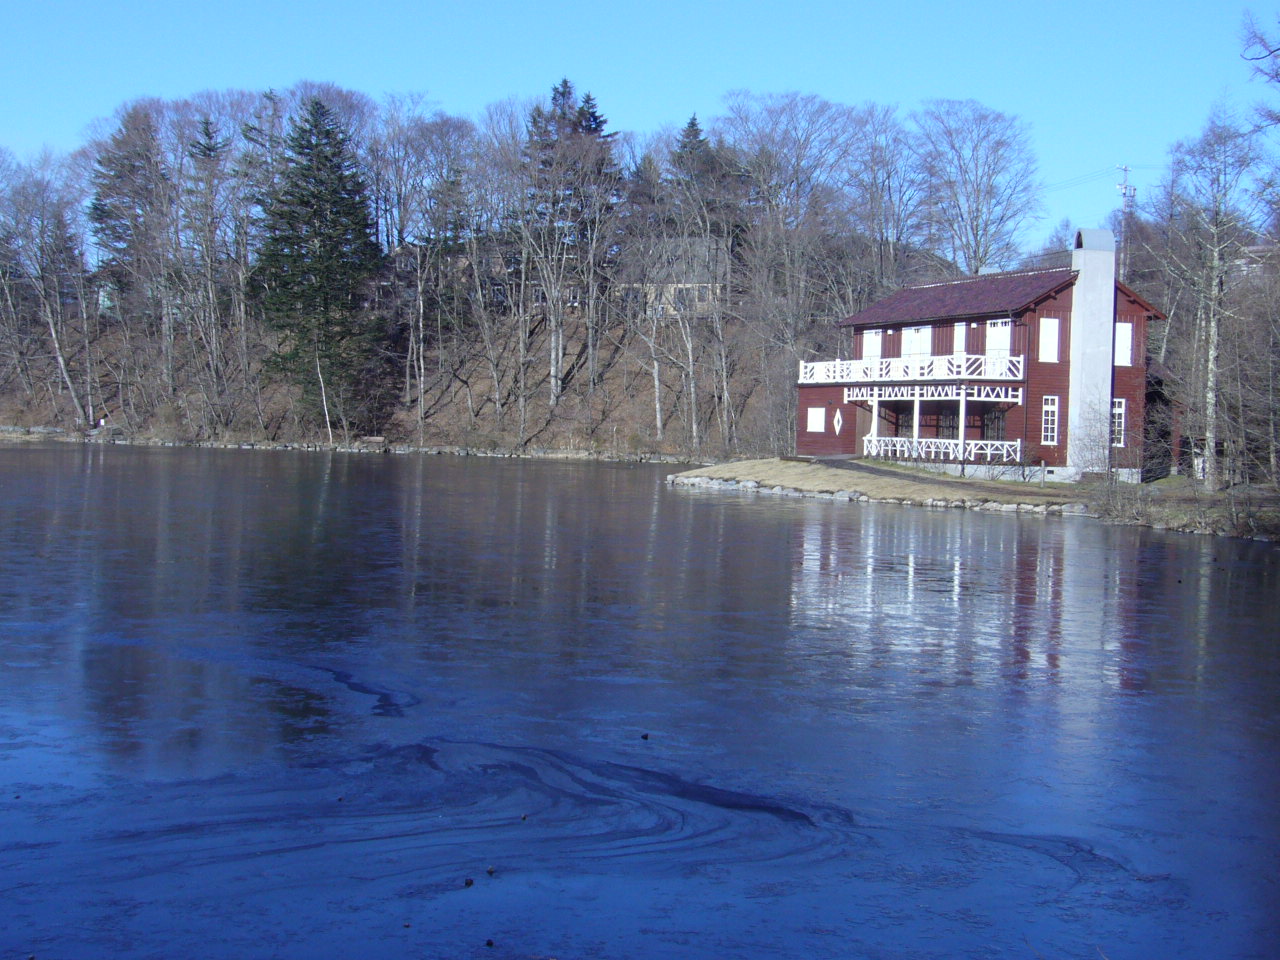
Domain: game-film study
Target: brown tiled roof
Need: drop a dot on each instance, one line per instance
(993, 294)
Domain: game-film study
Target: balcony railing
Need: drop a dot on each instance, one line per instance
(958, 366)
(932, 448)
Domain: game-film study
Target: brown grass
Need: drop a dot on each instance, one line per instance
(885, 483)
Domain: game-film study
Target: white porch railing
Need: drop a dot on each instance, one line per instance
(993, 392)
(932, 448)
(959, 366)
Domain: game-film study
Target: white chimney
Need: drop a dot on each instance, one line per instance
(1093, 306)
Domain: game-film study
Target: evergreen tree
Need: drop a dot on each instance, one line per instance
(133, 212)
(693, 157)
(132, 203)
(573, 187)
(317, 264)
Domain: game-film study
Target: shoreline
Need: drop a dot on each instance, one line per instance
(814, 480)
(362, 445)
(1252, 516)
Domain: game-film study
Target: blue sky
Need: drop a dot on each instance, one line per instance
(1100, 83)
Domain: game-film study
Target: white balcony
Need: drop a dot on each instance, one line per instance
(932, 448)
(958, 366)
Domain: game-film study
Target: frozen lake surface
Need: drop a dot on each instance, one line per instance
(322, 705)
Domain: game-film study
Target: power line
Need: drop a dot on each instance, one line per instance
(1082, 179)
(1096, 176)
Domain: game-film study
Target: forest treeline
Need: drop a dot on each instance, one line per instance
(314, 264)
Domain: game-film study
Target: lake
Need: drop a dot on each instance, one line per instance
(287, 704)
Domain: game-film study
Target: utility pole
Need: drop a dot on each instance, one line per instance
(1128, 193)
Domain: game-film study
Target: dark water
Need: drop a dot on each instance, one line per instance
(296, 705)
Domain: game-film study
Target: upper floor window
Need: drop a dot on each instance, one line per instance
(959, 342)
(871, 344)
(916, 341)
(1124, 344)
(999, 338)
(1048, 339)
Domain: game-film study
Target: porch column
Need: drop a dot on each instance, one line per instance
(963, 412)
(875, 418)
(915, 424)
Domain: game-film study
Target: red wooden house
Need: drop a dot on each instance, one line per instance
(992, 374)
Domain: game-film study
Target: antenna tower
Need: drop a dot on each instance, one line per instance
(1128, 194)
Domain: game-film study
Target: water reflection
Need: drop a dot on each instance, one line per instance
(1062, 715)
(1009, 600)
(155, 587)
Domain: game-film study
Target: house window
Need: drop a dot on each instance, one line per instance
(1049, 422)
(1124, 344)
(816, 420)
(993, 425)
(871, 344)
(958, 347)
(915, 341)
(1117, 422)
(999, 338)
(1048, 339)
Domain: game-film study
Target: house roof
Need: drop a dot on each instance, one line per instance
(993, 294)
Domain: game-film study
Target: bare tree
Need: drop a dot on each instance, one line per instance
(981, 180)
(42, 273)
(1208, 213)
(888, 193)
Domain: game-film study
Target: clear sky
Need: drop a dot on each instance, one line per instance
(1101, 82)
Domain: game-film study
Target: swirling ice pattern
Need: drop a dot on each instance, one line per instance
(339, 850)
(528, 805)
(397, 828)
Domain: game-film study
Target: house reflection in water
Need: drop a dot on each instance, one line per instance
(966, 598)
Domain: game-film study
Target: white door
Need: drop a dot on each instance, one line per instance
(999, 338)
(917, 341)
(871, 344)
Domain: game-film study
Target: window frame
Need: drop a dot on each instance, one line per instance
(1047, 350)
(1005, 348)
(869, 337)
(1119, 421)
(1050, 408)
(919, 337)
(1122, 354)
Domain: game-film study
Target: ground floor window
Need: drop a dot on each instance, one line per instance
(1049, 422)
(1117, 422)
(816, 420)
(949, 425)
(993, 425)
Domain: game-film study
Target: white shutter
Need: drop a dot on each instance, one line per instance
(1048, 339)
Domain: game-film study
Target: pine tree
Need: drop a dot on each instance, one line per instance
(573, 190)
(693, 157)
(317, 264)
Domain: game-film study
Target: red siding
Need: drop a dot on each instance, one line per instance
(943, 339)
(892, 344)
(1045, 380)
(975, 338)
(852, 429)
(1130, 384)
